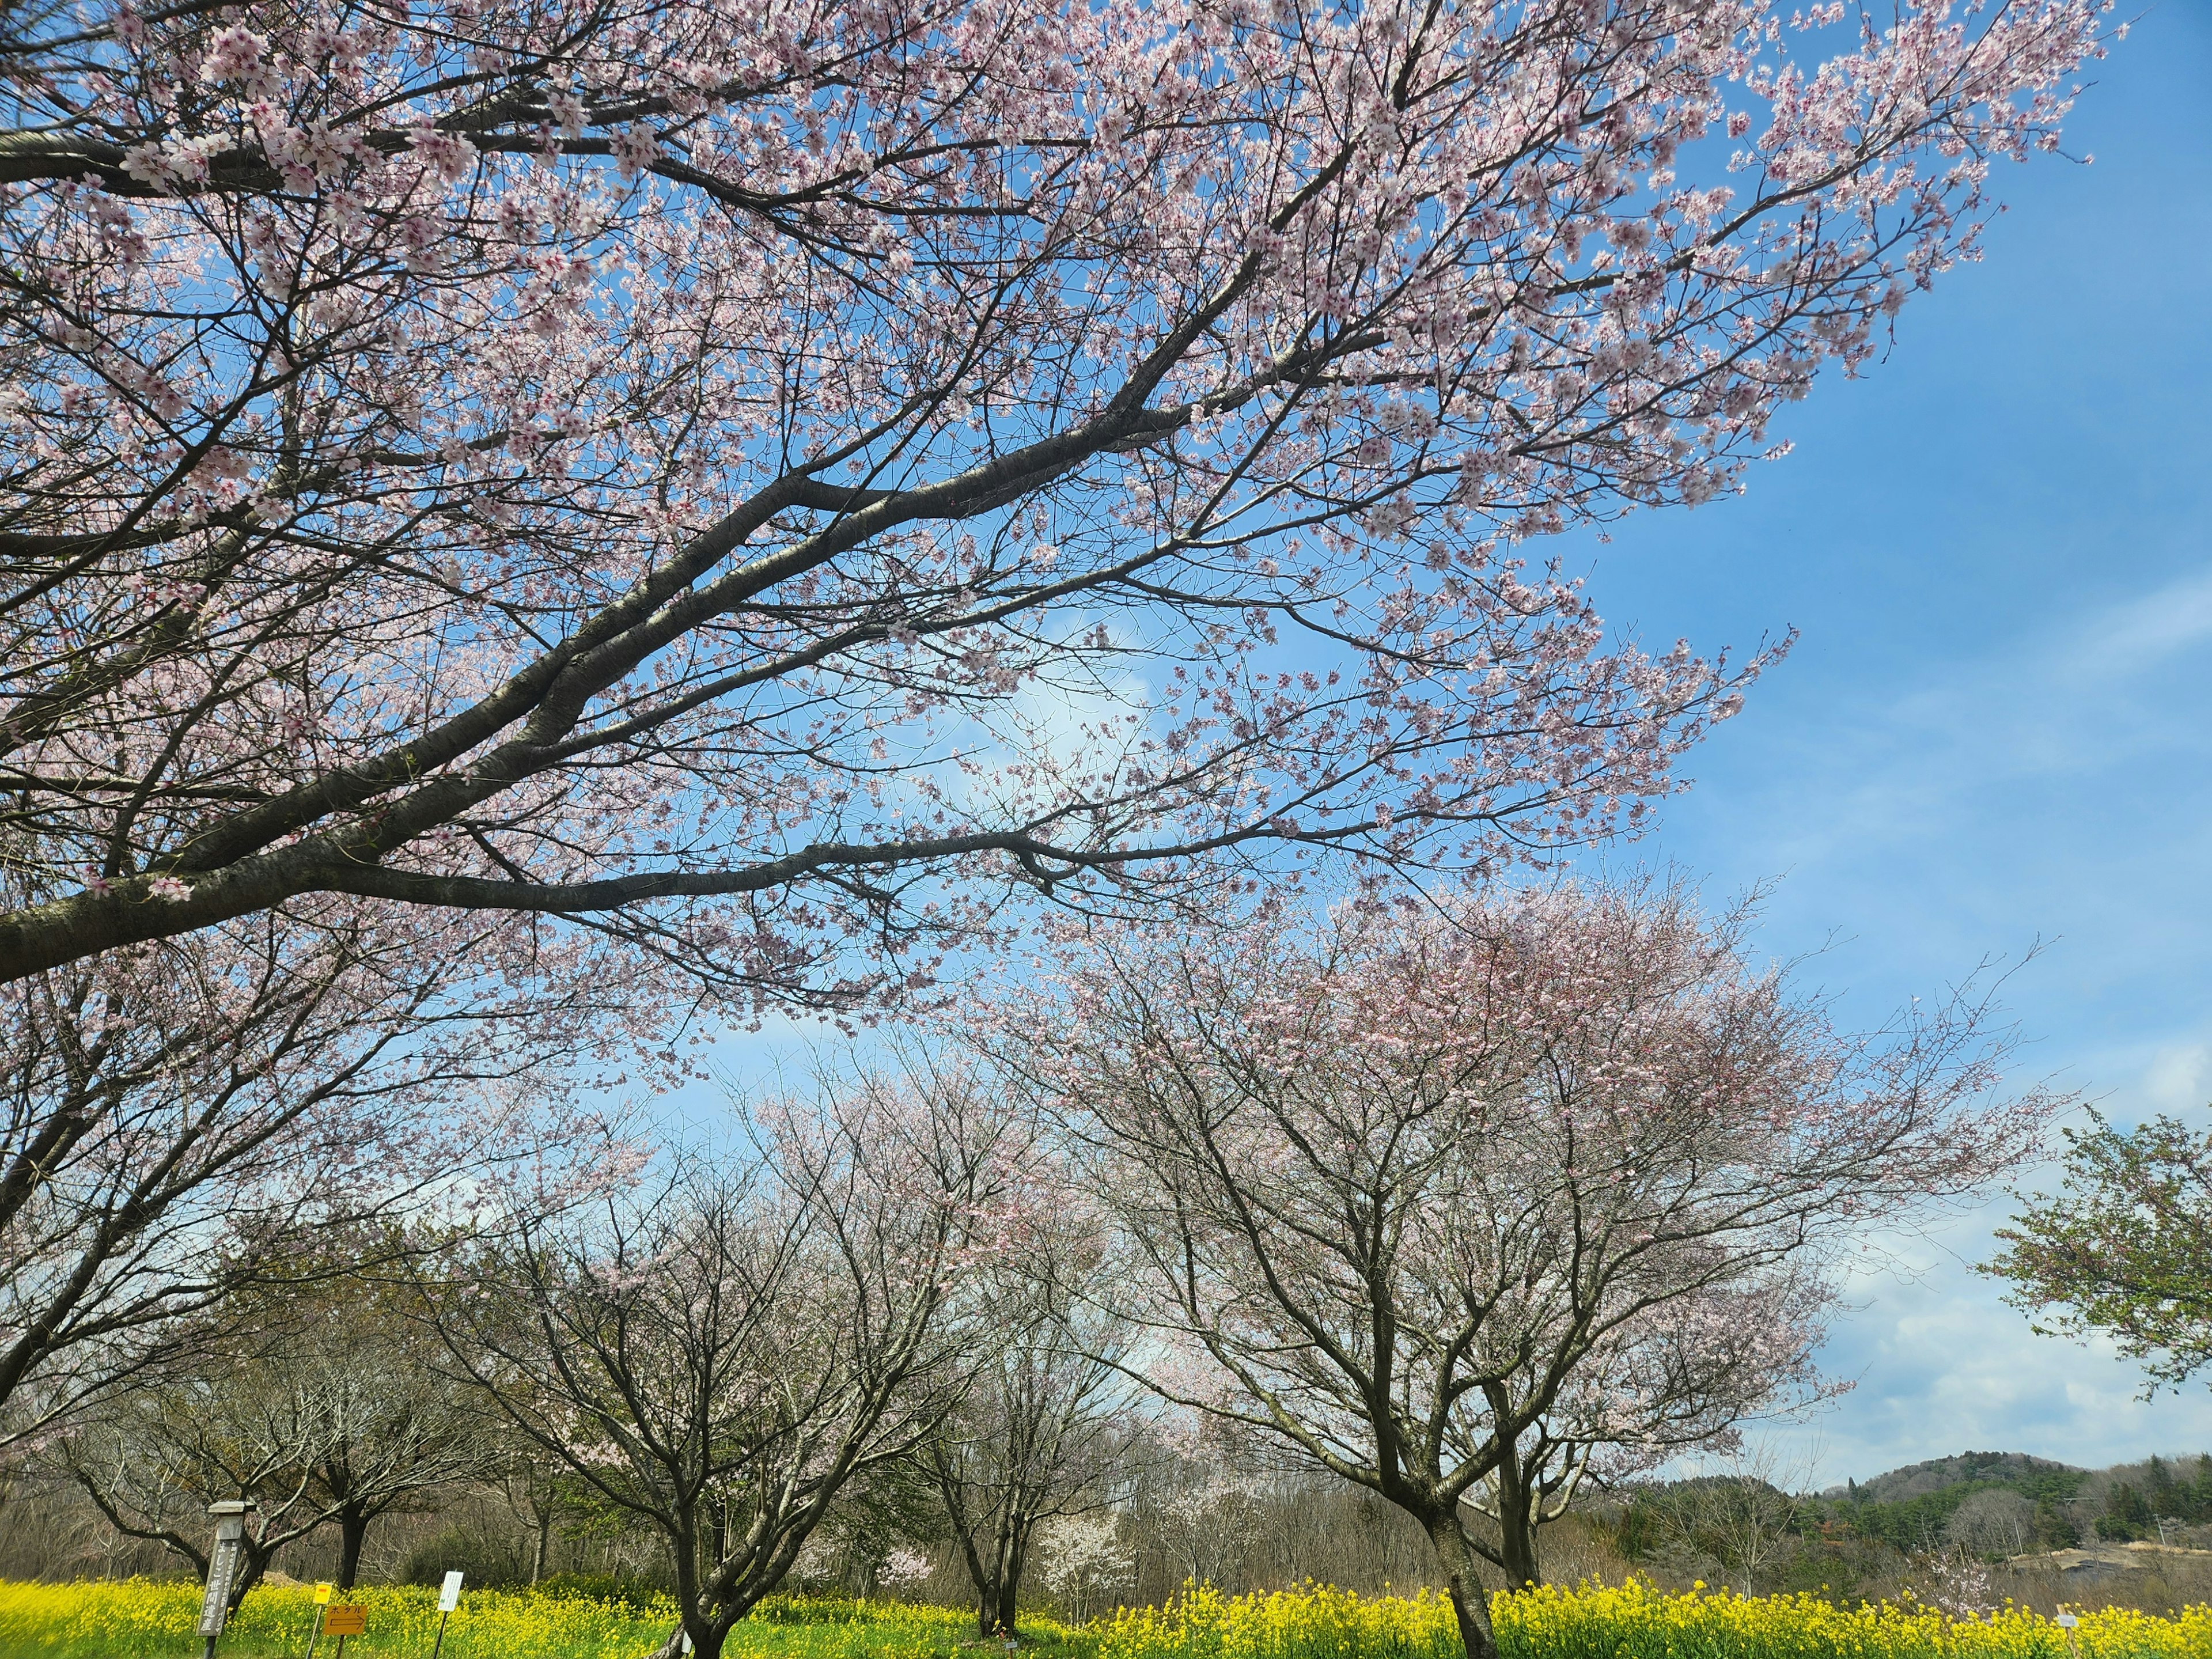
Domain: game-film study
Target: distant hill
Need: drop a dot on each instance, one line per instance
(1911, 1508)
(2034, 1502)
(1997, 1504)
(2036, 1477)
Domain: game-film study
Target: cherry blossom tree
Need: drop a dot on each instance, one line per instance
(768, 483)
(718, 1354)
(1411, 1190)
(1201, 1502)
(1085, 1561)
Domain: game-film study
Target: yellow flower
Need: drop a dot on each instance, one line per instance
(144, 1621)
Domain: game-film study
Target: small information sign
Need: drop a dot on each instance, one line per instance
(222, 1573)
(346, 1620)
(323, 1594)
(450, 1596)
(2066, 1620)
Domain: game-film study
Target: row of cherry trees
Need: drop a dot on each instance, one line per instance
(1460, 1201)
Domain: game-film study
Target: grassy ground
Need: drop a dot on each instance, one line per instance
(141, 1620)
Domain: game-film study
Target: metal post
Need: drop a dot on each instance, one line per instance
(315, 1632)
(449, 1597)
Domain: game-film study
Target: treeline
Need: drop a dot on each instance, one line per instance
(1743, 1528)
(2031, 1505)
(1185, 1523)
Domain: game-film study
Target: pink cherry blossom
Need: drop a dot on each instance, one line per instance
(1461, 1194)
(626, 438)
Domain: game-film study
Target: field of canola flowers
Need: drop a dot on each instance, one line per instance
(138, 1619)
(1628, 1622)
(142, 1620)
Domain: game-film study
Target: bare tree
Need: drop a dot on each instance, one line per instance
(325, 1411)
(1741, 1518)
(1043, 1433)
(174, 1123)
(1392, 1183)
(538, 1490)
(718, 1355)
(1995, 1521)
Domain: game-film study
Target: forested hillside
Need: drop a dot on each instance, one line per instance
(1743, 1530)
(2055, 1503)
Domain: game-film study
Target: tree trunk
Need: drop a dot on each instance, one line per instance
(252, 1563)
(1000, 1583)
(1521, 1571)
(707, 1637)
(706, 1634)
(987, 1606)
(1516, 1527)
(1010, 1579)
(538, 1555)
(353, 1528)
(1470, 1601)
(985, 1579)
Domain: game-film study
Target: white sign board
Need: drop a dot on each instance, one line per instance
(222, 1572)
(450, 1596)
(2064, 1620)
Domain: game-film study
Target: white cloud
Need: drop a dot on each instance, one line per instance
(2136, 636)
(1942, 1364)
(2178, 1077)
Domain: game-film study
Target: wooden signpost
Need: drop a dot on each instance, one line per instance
(222, 1566)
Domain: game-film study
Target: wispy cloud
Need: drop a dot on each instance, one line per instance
(2056, 784)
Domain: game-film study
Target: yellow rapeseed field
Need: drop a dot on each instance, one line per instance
(139, 1619)
(143, 1620)
(1628, 1622)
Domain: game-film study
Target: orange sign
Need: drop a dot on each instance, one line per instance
(343, 1620)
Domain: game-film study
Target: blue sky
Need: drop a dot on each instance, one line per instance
(1995, 727)
(1994, 730)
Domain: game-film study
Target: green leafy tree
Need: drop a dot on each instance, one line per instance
(2127, 1514)
(2054, 1527)
(2124, 1247)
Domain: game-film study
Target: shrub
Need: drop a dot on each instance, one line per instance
(487, 1564)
